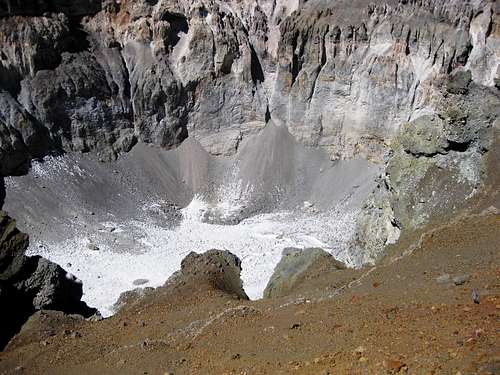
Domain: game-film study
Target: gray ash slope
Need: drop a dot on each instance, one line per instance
(270, 172)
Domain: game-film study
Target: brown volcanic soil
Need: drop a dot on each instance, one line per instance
(393, 318)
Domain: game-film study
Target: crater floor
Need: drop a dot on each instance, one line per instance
(127, 224)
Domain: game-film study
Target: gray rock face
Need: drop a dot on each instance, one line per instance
(22, 137)
(340, 76)
(52, 287)
(294, 267)
(343, 77)
(28, 284)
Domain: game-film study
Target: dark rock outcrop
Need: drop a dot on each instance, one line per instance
(215, 269)
(220, 269)
(295, 266)
(29, 284)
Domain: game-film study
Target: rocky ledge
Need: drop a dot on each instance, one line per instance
(29, 284)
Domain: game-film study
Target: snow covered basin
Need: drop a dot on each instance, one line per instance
(258, 241)
(112, 224)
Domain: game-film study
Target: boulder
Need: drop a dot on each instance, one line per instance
(49, 286)
(220, 269)
(294, 267)
(423, 136)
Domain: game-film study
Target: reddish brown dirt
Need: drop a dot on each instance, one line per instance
(394, 318)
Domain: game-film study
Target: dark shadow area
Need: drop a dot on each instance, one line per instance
(256, 67)
(178, 23)
(10, 81)
(78, 39)
(458, 146)
(227, 63)
(13, 316)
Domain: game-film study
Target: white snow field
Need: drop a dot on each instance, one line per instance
(257, 241)
(142, 214)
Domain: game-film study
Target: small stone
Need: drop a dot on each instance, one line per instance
(363, 360)
(478, 332)
(475, 296)
(443, 279)
(140, 281)
(308, 204)
(460, 280)
(295, 326)
(359, 350)
(92, 247)
(236, 356)
(68, 264)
